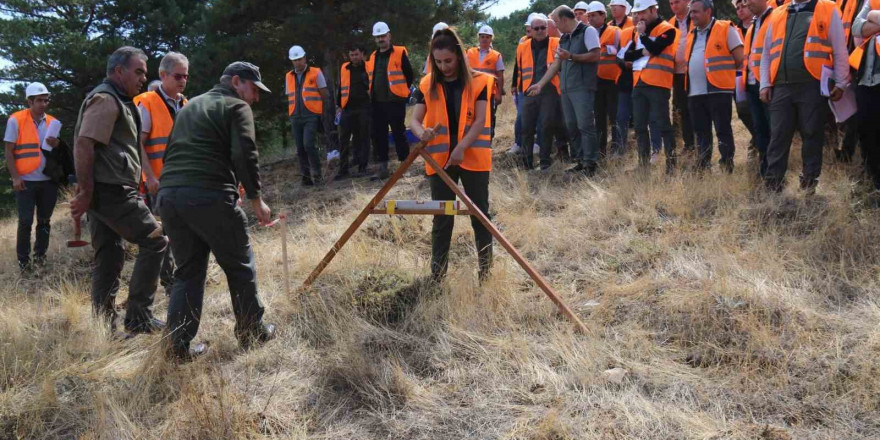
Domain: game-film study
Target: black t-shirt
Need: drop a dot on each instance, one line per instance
(453, 106)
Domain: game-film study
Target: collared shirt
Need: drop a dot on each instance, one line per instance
(173, 104)
(698, 84)
(499, 66)
(11, 135)
(839, 54)
(683, 26)
(870, 69)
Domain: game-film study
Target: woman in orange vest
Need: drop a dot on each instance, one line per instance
(452, 104)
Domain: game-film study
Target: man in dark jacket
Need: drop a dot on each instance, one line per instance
(211, 151)
(108, 171)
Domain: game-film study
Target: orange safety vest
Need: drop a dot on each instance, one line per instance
(478, 157)
(817, 47)
(27, 153)
(527, 66)
(487, 66)
(162, 123)
(345, 82)
(311, 97)
(718, 60)
(627, 23)
(858, 54)
(396, 78)
(674, 24)
(608, 68)
(754, 54)
(660, 68)
(847, 14)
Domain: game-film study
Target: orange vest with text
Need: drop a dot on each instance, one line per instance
(660, 68)
(608, 68)
(526, 64)
(396, 78)
(718, 60)
(858, 55)
(311, 97)
(477, 157)
(817, 47)
(162, 123)
(27, 153)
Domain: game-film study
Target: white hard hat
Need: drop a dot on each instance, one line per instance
(439, 27)
(597, 6)
(486, 30)
(296, 52)
(623, 3)
(580, 6)
(380, 28)
(642, 5)
(35, 89)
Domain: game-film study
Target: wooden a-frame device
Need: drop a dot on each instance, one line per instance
(392, 207)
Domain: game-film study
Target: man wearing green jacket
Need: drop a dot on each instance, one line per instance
(211, 151)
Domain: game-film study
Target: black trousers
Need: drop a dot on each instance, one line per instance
(354, 137)
(796, 106)
(389, 114)
(869, 130)
(200, 222)
(606, 113)
(476, 186)
(118, 213)
(708, 110)
(37, 198)
(166, 275)
(682, 119)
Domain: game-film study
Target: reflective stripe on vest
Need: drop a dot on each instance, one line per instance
(527, 66)
(608, 68)
(162, 122)
(817, 47)
(660, 68)
(754, 54)
(311, 97)
(26, 153)
(858, 55)
(396, 78)
(344, 83)
(718, 61)
(477, 157)
(847, 14)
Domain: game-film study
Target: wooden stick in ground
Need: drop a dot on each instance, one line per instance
(539, 280)
(414, 153)
(283, 218)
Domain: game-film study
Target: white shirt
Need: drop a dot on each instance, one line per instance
(11, 135)
(499, 66)
(699, 84)
(591, 38)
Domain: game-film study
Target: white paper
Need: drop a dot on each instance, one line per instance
(611, 50)
(846, 106)
(622, 53)
(52, 131)
(827, 74)
(741, 95)
(640, 63)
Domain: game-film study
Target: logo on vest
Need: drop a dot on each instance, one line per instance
(717, 46)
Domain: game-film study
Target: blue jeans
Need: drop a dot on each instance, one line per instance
(761, 118)
(624, 115)
(580, 122)
(40, 197)
(651, 106)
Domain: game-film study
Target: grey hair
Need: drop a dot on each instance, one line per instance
(706, 3)
(226, 80)
(154, 84)
(172, 60)
(122, 56)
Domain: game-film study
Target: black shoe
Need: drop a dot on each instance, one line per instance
(590, 169)
(361, 172)
(307, 181)
(381, 173)
(341, 176)
(576, 169)
(186, 356)
(39, 260)
(545, 167)
(25, 268)
(260, 337)
(153, 325)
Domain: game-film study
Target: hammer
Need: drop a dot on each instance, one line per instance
(77, 233)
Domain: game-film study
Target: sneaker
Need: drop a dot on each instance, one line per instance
(654, 158)
(536, 149)
(515, 149)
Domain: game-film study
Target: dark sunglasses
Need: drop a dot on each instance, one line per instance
(539, 28)
(180, 76)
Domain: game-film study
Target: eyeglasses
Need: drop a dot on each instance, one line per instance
(539, 28)
(180, 76)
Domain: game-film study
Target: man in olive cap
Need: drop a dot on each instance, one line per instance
(211, 152)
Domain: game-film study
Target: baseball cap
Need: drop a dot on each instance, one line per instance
(245, 70)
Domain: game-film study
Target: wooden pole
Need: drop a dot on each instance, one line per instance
(539, 280)
(413, 154)
(283, 218)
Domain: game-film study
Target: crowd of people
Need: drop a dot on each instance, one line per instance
(579, 80)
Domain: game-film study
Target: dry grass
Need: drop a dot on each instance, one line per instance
(737, 315)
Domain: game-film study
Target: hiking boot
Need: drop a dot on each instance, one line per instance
(255, 339)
